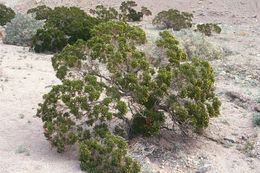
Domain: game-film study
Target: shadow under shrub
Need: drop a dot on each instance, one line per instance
(6, 14)
(147, 123)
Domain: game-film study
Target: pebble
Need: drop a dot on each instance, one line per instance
(230, 139)
(203, 169)
(244, 138)
(239, 147)
(257, 108)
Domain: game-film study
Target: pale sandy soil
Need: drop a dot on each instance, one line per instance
(26, 76)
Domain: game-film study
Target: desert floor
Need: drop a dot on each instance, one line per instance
(231, 144)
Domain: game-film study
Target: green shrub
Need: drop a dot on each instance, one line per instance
(208, 28)
(106, 77)
(146, 11)
(106, 153)
(196, 44)
(128, 12)
(49, 39)
(173, 19)
(256, 119)
(21, 30)
(6, 14)
(41, 12)
(105, 14)
(66, 25)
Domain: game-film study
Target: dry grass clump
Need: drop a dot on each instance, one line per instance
(196, 44)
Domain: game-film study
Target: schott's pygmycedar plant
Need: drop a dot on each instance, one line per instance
(108, 77)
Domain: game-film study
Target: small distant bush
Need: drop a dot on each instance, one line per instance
(146, 11)
(21, 30)
(173, 19)
(64, 25)
(128, 12)
(256, 119)
(6, 14)
(208, 28)
(104, 13)
(196, 44)
(41, 12)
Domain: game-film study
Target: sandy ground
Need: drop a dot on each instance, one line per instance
(26, 76)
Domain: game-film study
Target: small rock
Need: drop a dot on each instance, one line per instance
(257, 108)
(223, 73)
(235, 95)
(230, 139)
(250, 160)
(244, 137)
(239, 147)
(203, 169)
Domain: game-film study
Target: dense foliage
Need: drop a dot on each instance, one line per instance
(208, 28)
(21, 30)
(63, 26)
(49, 39)
(6, 14)
(106, 77)
(41, 12)
(173, 19)
(106, 153)
(147, 122)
